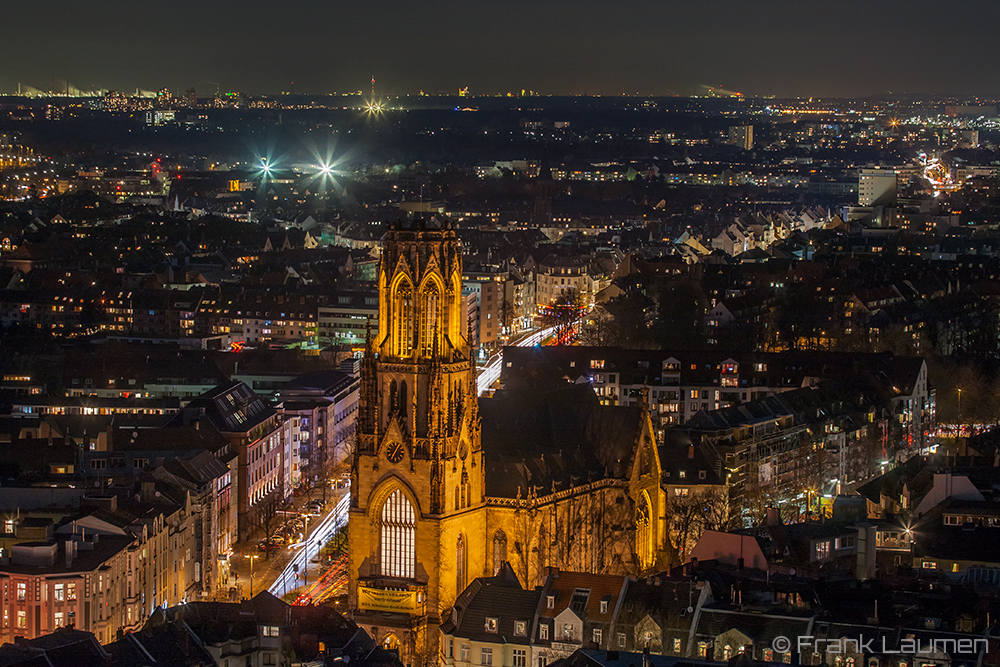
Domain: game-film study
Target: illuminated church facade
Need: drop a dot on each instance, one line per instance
(447, 486)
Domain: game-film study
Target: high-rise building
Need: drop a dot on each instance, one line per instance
(876, 187)
(741, 136)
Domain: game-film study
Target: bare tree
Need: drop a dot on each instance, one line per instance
(563, 314)
(268, 515)
(718, 510)
(507, 315)
(688, 517)
(593, 532)
(524, 552)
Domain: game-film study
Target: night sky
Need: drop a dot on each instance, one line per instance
(649, 47)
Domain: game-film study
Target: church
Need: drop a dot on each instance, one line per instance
(447, 486)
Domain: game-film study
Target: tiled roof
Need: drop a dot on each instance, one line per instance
(499, 598)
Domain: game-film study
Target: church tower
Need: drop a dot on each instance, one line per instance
(417, 475)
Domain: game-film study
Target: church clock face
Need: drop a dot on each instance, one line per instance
(395, 453)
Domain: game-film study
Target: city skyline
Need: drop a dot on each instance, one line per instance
(775, 47)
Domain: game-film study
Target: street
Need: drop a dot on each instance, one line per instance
(252, 572)
(296, 572)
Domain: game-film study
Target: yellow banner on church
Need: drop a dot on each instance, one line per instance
(380, 599)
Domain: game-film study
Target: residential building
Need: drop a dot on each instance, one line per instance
(255, 434)
(876, 187)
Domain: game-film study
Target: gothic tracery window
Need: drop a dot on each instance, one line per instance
(429, 304)
(403, 320)
(499, 550)
(460, 564)
(643, 533)
(398, 526)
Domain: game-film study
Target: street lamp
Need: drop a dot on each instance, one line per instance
(305, 577)
(252, 558)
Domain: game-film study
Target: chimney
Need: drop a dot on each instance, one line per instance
(773, 516)
(690, 451)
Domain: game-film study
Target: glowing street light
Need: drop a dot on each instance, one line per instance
(252, 558)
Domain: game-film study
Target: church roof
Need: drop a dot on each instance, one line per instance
(553, 439)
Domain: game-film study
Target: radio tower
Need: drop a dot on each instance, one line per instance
(373, 87)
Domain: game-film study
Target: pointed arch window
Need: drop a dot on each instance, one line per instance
(403, 320)
(499, 550)
(460, 565)
(430, 304)
(643, 532)
(398, 527)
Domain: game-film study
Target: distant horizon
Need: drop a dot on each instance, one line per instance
(651, 48)
(205, 94)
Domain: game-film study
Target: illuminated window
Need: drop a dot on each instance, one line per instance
(397, 528)
(59, 592)
(430, 305)
(22, 619)
(22, 592)
(643, 533)
(403, 320)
